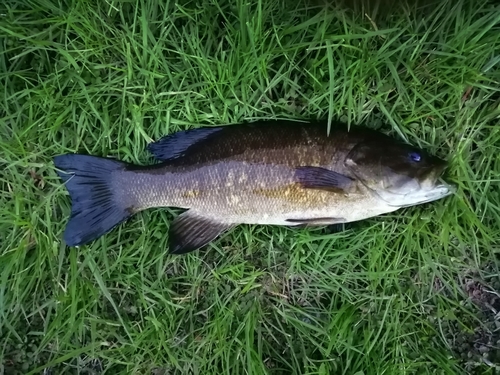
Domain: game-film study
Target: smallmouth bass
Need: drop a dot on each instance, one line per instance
(267, 172)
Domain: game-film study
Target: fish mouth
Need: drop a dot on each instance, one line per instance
(433, 176)
(437, 188)
(441, 190)
(427, 187)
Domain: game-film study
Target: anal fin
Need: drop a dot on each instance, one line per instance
(317, 221)
(190, 231)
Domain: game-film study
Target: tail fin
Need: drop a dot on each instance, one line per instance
(95, 208)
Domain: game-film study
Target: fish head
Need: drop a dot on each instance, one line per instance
(399, 174)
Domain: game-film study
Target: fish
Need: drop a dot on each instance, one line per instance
(270, 172)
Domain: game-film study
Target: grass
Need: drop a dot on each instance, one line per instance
(384, 296)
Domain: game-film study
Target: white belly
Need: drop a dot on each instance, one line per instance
(342, 212)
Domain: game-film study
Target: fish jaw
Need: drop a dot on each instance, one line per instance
(439, 191)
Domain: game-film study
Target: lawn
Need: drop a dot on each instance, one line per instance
(412, 292)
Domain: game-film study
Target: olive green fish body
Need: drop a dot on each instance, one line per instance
(249, 177)
(239, 193)
(281, 173)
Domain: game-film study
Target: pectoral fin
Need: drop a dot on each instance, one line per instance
(190, 231)
(322, 178)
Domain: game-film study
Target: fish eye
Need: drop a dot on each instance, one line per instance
(415, 156)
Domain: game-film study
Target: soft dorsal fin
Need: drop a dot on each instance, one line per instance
(175, 145)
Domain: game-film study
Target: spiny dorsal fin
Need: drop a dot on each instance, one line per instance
(175, 145)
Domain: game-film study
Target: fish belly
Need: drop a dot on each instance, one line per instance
(277, 212)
